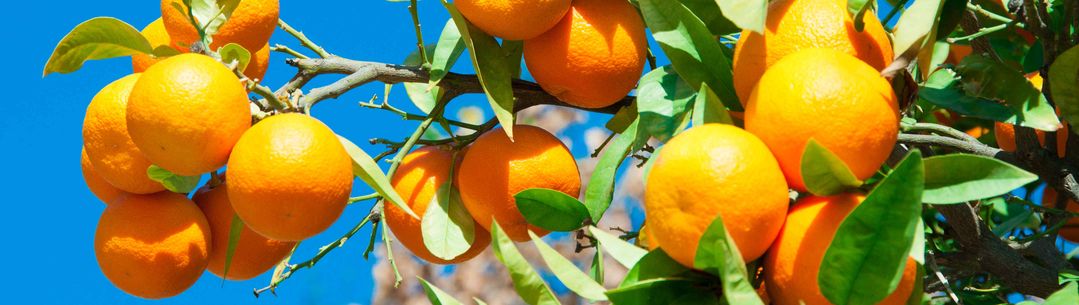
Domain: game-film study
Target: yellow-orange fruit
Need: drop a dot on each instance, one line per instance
(794, 25)
(109, 147)
(417, 180)
(250, 25)
(260, 62)
(254, 253)
(97, 185)
(495, 168)
(152, 246)
(710, 171)
(1070, 231)
(186, 112)
(156, 34)
(513, 19)
(593, 57)
(834, 98)
(289, 177)
(791, 266)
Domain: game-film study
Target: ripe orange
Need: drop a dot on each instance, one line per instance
(152, 246)
(593, 57)
(791, 266)
(254, 253)
(260, 62)
(801, 24)
(186, 112)
(250, 25)
(1070, 231)
(109, 147)
(645, 238)
(834, 98)
(156, 34)
(289, 177)
(711, 171)
(417, 180)
(495, 168)
(101, 188)
(957, 52)
(1005, 133)
(513, 19)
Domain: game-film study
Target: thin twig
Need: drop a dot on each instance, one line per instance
(285, 49)
(306, 42)
(414, 11)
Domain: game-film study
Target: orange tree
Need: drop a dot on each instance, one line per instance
(863, 173)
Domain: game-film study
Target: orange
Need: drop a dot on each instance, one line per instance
(593, 57)
(186, 112)
(289, 177)
(1070, 231)
(957, 52)
(250, 25)
(101, 188)
(152, 246)
(1005, 133)
(791, 266)
(260, 62)
(793, 25)
(254, 253)
(156, 34)
(710, 171)
(645, 238)
(417, 180)
(834, 98)
(495, 168)
(109, 147)
(513, 19)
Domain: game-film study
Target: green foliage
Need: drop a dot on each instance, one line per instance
(943, 89)
(172, 182)
(623, 252)
(1063, 79)
(566, 272)
(97, 38)
(235, 53)
(526, 281)
(959, 178)
(236, 227)
(707, 108)
(718, 254)
(663, 104)
(492, 68)
(986, 78)
(824, 173)
(447, 228)
(551, 209)
(915, 32)
(746, 14)
(368, 171)
(600, 190)
(436, 295)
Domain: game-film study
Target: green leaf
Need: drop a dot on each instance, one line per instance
(663, 102)
(958, 178)
(513, 52)
(491, 68)
(621, 120)
(236, 227)
(368, 171)
(718, 254)
(551, 210)
(747, 14)
(97, 38)
(211, 14)
(987, 78)
(437, 296)
(172, 182)
(447, 51)
(165, 51)
(625, 253)
(1069, 295)
(596, 270)
(694, 52)
(1063, 77)
(600, 189)
(423, 95)
(916, 27)
(661, 291)
(942, 89)
(655, 264)
(234, 52)
(707, 108)
(448, 229)
(562, 268)
(526, 281)
(709, 13)
(866, 258)
(824, 173)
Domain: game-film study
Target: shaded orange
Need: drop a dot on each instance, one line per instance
(513, 19)
(109, 146)
(254, 253)
(1070, 230)
(97, 185)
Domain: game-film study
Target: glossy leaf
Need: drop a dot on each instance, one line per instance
(566, 272)
(707, 108)
(655, 264)
(1065, 296)
(1063, 79)
(423, 95)
(623, 118)
(624, 252)
(491, 68)
(449, 48)
(958, 178)
(234, 52)
(693, 50)
(663, 102)
(596, 269)
(866, 258)
(526, 281)
(747, 14)
(600, 189)
(942, 89)
(212, 14)
(916, 27)
(367, 170)
(236, 227)
(172, 182)
(824, 173)
(983, 77)
(709, 13)
(551, 210)
(97, 38)
(436, 296)
(718, 254)
(448, 229)
(659, 291)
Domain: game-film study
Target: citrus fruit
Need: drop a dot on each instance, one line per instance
(97, 185)
(156, 34)
(801, 24)
(109, 147)
(645, 238)
(253, 255)
(418, 179)
(710, 171)
(513, 19)
(834, 98)
(260, 62)
(152, 246)
(1070, 230)
(289, 177)
(593, 57)
(250, 25)
(1005, 132)
(186, 112)
(791, 266)
(496, 168)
